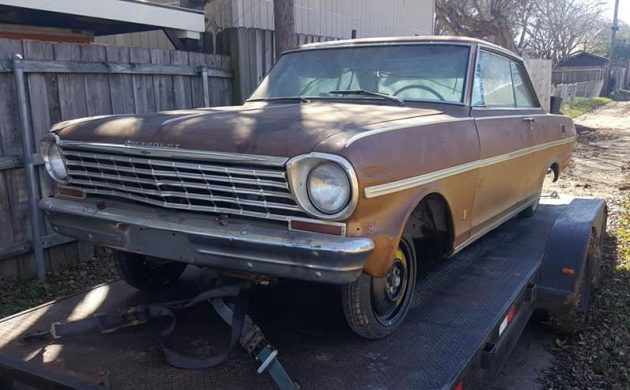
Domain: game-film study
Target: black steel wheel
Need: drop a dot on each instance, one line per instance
(145, 272)
(375, 307)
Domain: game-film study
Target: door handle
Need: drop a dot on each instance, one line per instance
(529, 119)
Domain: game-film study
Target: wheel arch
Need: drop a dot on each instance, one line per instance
(431, 219)
(551, 166)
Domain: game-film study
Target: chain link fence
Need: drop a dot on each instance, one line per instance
(571, 92)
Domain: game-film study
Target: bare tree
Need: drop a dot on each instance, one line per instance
(558, 28)
(546, 28)
(599, 43)
(493, 20)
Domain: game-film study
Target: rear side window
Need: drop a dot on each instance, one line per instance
(501, 83)
(522, 92)
(493, 82)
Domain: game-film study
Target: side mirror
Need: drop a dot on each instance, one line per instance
(556, 103)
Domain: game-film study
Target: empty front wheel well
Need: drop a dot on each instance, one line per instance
(431, 227)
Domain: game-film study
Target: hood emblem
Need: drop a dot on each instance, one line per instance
(151, 144)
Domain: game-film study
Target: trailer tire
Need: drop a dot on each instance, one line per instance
(361, 302)
(147, 273)
(573, 320)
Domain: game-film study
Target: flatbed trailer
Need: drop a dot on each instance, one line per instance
(467, 315)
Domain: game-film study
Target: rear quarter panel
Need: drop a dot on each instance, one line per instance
(554, 128)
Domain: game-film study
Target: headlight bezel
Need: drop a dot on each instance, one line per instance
(298, 172)
(48, 142)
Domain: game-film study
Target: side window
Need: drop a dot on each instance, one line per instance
(493, 82)
(522, 91)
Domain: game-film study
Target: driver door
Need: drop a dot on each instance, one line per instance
(508, 166)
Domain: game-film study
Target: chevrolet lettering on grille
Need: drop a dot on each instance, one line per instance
(151, 144)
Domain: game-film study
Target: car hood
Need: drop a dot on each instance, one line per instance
(276, 129)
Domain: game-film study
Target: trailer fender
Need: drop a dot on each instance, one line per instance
(567, 268)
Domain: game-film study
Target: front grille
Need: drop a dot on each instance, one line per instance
(178, 183)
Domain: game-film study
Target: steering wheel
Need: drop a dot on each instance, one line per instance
(423, 87)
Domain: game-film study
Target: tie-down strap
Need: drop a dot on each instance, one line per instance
(243, 330)
(141, 314)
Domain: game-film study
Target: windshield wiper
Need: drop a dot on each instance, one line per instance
(368, 93)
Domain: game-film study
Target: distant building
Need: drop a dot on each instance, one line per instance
(580, 67)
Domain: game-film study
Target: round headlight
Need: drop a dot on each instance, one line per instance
(55, 163)
(328, 188)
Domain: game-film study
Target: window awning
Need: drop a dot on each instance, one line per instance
(103, 17)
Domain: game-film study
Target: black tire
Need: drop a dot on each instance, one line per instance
(372, 313)
(145, 272)
(530, 210)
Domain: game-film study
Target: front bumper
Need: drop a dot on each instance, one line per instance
(201, 240)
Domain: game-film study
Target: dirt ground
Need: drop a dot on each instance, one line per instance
(601, 159)
(600, 168)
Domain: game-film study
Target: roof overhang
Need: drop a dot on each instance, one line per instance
(103, 17)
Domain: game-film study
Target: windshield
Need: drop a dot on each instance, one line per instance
(426, 72)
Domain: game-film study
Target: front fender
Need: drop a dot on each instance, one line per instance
(383, 220)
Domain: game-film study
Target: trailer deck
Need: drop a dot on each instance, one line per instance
(467, 315)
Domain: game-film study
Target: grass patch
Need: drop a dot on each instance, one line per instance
(18, 295)
(584, 106)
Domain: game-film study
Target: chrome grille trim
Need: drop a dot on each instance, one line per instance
(244, 187)
(181, 184)
(182, 175)
(175, 153)
(173, 164)
(165, 204)
(175, 194)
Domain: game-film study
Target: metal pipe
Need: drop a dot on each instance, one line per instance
(611, 52)
(29, 165)
(204, 81)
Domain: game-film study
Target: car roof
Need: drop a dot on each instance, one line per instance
(407, 40)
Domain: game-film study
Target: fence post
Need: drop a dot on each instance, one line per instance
(31, 174)
(204, 81)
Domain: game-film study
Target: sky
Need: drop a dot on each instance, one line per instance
(624, 10)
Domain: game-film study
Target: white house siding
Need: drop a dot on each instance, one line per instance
(148, 39)
(337, 18)
(327, 18)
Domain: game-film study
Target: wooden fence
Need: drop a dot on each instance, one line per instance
(578, 74)
(540, 73)
(67, 81)
(253, 52)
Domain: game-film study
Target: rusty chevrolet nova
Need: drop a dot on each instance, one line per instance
(353, 163)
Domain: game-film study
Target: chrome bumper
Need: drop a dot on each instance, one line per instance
(201, 240)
